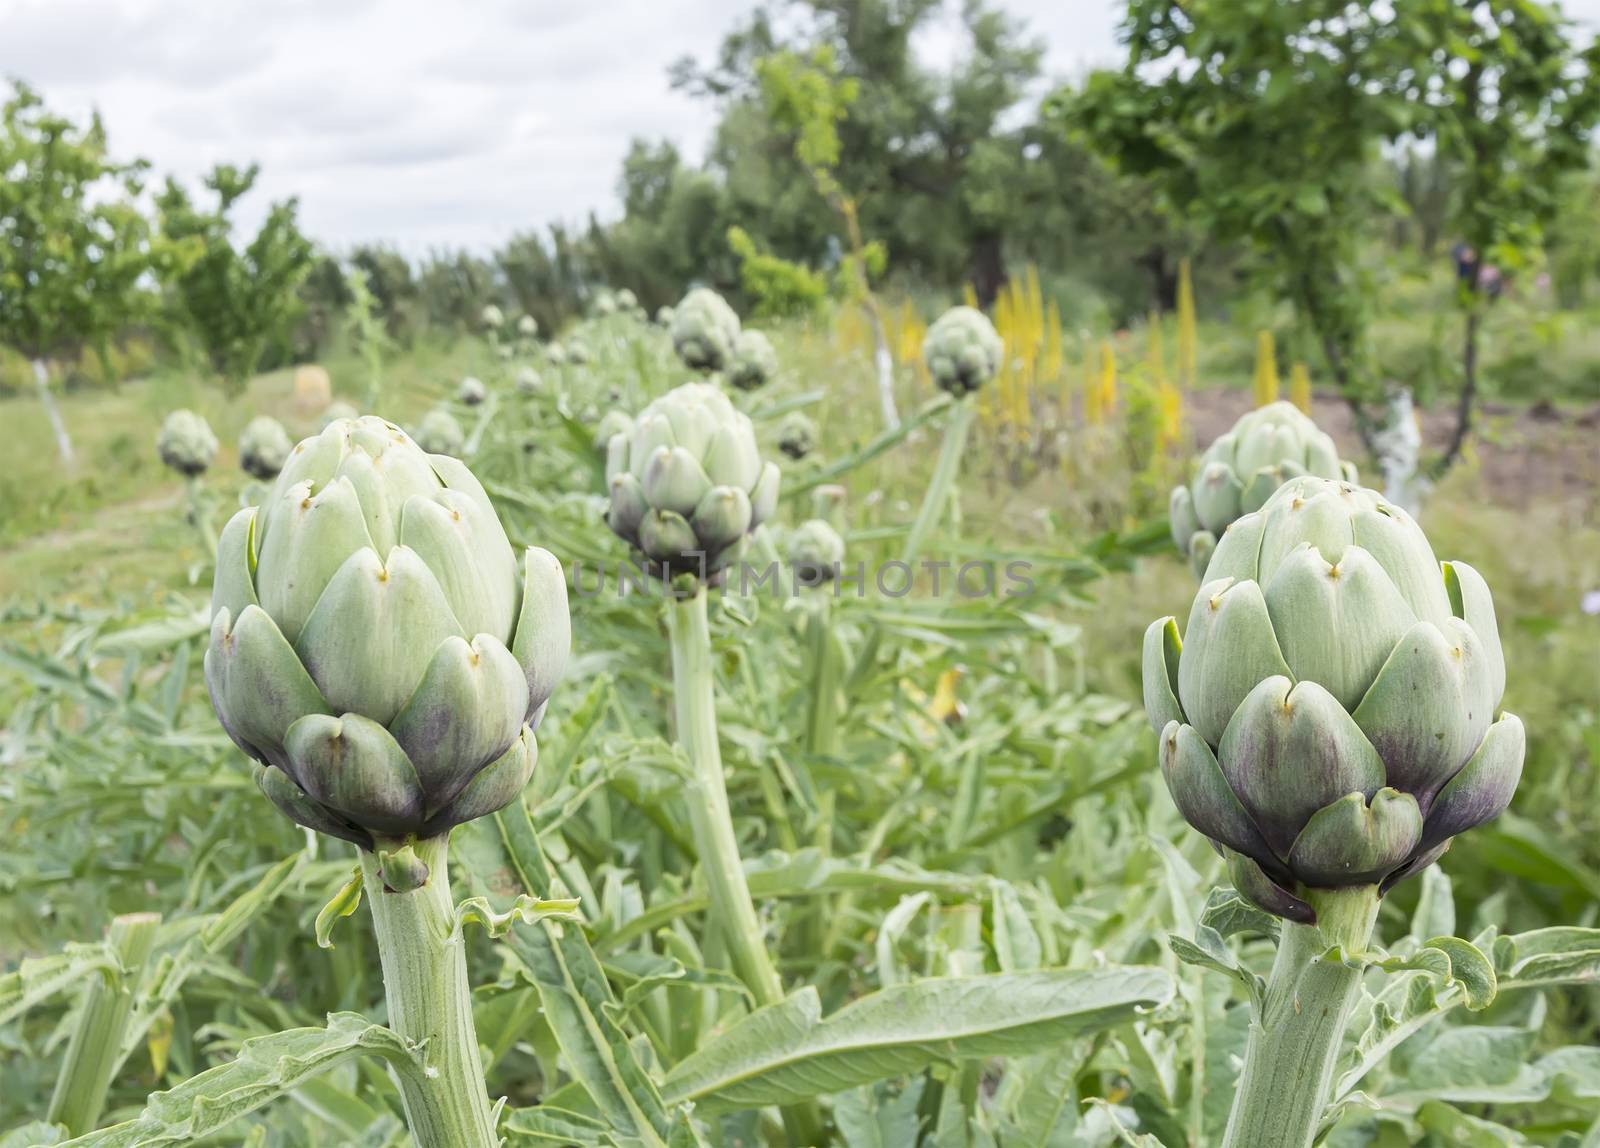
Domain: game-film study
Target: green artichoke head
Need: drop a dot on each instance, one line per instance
(665, 314)
(377, 647)
(492, 318)
(626, 300)
(528, 381)
(815, 552)
(688, 482)
(527, 326)
(440, 433)
(1240, 470)
(556, 354)
(754, 362)
(186, 444)
(797, 435)
(577, 353)
(336, 410)
(704, 330)
(264, 447)
(605, 303)
(1329, 716)
(471, 392)
(963, 350)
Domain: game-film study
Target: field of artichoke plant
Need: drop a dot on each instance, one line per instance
(627, 736)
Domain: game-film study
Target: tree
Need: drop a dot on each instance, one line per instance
(234, 301)
(74, 246)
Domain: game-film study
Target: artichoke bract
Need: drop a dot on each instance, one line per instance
(186, 444)
(754, 362)
(440, 433)
(688, 483)
(1240, 470)
(1328, 718)
(264, 447)
(704, 330)
(614, 422)
(797, 435)
(963, 350)
(471, 392)
(377, 648)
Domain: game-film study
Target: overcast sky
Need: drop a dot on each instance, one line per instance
(418, 121)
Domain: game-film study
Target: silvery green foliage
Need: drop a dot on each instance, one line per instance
(377, 647)
(186, 444)
(471, 392)
(815, 551)
(963, 350)
(527, 326)
(754, 362)
(555, 353)
(264, 447)
(577, 353)
(1240, 470)
(688, 483)
(797, 435)
(528, 381)
(704, 329)
(664, 315)
(614, 422)
(338, 409)
(492, 317)
(1328, 717)
(440, 433)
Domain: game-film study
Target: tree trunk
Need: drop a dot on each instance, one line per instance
(988, 267)
(41, 378)
(1163, 279)
(1469, 390)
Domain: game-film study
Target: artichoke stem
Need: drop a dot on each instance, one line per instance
(95, 1049)
(430, 1002)
(1295, 1040)
(709, 815)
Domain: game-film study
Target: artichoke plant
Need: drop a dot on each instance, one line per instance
(377, 648)
(186, 444)
(1240, 470)
(1328, 718)
(704, 329)
(264, 447)
(963, 351)
(440, 433)
(754, 362)
(471, 392)
(688, 483)
(797, 435)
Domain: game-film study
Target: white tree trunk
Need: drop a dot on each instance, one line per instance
(884, 362)
(41, 377)
(1399, 450)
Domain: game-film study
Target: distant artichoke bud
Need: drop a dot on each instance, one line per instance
(471, 392)
(505, 352)
(377, 647)
(556, 354)
(186, 443)
(704, 329)
(687, 482)
(439, 433)
(528, 381)
(797, 435)
(815, 552)
(605, 303)
(963, 351)
(527, 326)
(1328, 718)
(614, 423)
(1241, 469)
(578, 353)
(492, 318)
(627, 300)
(664, 315)
(337, 410)
(754, 362)
(264, 447)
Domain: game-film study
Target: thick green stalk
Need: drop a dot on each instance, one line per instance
(96, 1043)
(425, 982)
(709, 816)
(1294, 1043)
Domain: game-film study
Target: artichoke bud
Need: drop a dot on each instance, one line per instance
(816, 552)
(528, 381)
(186, 444)
(440, 433)
(797, 436)
(704, 330)
(754, 362)
(264, 447)
(687, 482)
(962, 350)
(1327, 718)
(471, 392)
(375, 646)
(1202, 544)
